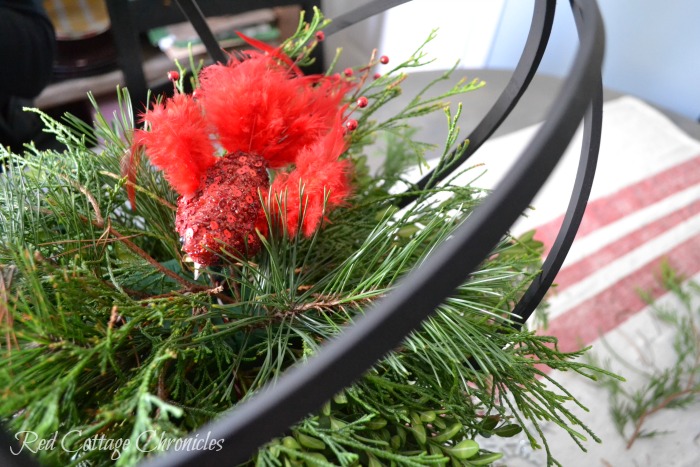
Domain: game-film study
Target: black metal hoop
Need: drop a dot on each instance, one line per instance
(195, 16)
(304, 388)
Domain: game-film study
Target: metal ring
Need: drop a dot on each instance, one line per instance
(535, 45)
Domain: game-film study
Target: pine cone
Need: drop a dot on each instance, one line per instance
(225, 211)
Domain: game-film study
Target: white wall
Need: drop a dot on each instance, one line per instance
(356, 41)
(466, 30)
(653, 48)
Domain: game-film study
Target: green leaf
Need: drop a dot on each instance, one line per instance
(485, 459)
(428, 416)
(291, 443)
(465, 449)
(507, 431)
(490, 422)
(449, 433)
(418, 433)
(377, 423)
(310, 442)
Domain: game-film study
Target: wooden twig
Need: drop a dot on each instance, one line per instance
(100, 223)
(662, 405)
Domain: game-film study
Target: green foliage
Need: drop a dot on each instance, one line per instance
(107, 334)
(302, 43)
(675, 386)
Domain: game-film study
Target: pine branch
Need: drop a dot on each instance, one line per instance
(639, 423)
(672, 387)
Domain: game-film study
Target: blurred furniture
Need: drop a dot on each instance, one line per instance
(130, 18)
(84, 45)
(140, 65)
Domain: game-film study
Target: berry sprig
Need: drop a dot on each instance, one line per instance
(361, 74)
(302, 44)
(359, 77)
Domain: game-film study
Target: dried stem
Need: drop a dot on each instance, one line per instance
(662, 405)
(139, 251)
(91, 198)
(690, 388)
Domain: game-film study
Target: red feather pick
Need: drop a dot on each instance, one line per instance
(266, 115)
(258, 107)
(271, 51)
(319, 183)
(178, 142)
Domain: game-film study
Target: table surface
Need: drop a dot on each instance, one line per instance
(532, 108)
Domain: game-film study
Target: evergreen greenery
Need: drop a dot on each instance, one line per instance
(674, 386)
(107, 335)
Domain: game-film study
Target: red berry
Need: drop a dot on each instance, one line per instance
(348, 72)
(351, 124)
(173, 75)
(320, 35)
(362, 102)
(383, 59)
(377, 75)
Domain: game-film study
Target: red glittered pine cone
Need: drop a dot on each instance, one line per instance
(225, 211)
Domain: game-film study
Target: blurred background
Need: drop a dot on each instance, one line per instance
(652, 50)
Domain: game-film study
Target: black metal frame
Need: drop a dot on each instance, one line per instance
(304, 388)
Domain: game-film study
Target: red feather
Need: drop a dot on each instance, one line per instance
(178, 142)
(273, 52)
(258, 107)
(318, 184)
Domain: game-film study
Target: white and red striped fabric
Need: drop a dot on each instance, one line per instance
(644, 209)
(628, 235)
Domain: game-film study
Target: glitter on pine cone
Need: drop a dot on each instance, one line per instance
(225, 210)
